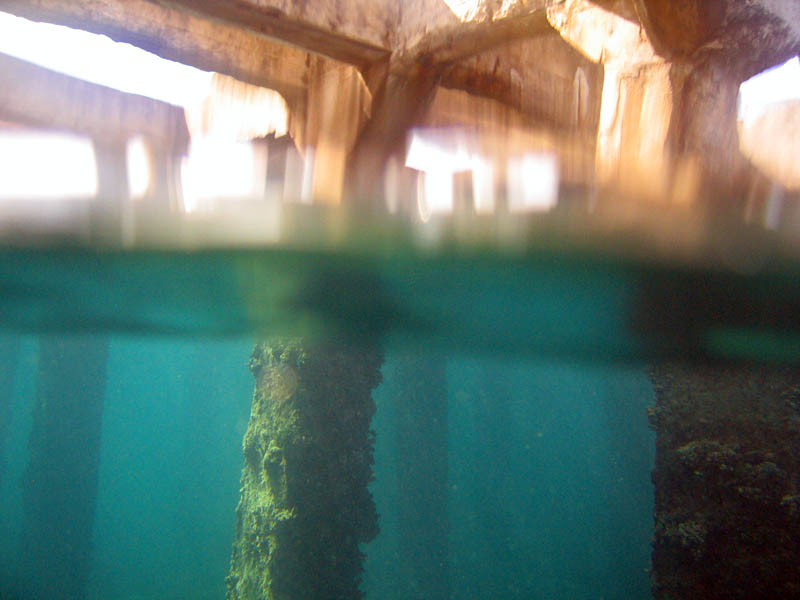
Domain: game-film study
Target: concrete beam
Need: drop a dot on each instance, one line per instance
(458, 41)
(401, 66)
(397, 105)
(411, 78)
(179, 36)
(421, 18)
(82, 107)
(753, 35)
(355, 33)
(563, 92)
(237, 38)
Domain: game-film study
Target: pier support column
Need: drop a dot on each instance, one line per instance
(338, 106)
(9, 359)
(727, 483)
(60, 485)
(111, 213)
(422, 477)
(305, 507)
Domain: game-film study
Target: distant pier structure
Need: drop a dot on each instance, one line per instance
(60, 483)
(41, 100)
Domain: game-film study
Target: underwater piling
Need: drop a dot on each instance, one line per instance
(9, 359)
(727, 482)
(491, 402)
(60, 483)
(305, 506)
(421, 442)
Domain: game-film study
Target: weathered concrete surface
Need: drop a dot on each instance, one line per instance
(636, 103)
(502, 133)
(360, 33)
(409, 81)
(562, 92)
(418, 20)
(305, 507)
(752, 35)
(353, 32)
(703, 129)
(448, 44)
(84, 107)
(671, 68)
(727, 503)
(232, 38)
(338, 106)
(668, 121)
(398, 104)
(713, 47)
(181, 37)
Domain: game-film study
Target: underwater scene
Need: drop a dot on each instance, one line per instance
(399, 300)
(492, 478)
(312, 421)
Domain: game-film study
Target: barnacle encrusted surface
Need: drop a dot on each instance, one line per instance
(727, 479)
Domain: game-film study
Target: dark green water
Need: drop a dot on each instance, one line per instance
(548, 451)
(579, 304)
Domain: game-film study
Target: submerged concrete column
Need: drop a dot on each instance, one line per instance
(60, 485)
(422, 477)
(305, 507)
(491, 402)
(9, 359)
(727, 482)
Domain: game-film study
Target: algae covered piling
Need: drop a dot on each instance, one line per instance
(727, 509)
(304, 506)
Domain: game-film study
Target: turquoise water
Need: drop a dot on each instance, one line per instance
(549, 493)
(546, 491)
(574, 303)
(174, 413)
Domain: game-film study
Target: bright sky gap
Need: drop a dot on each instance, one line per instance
(98, 59)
